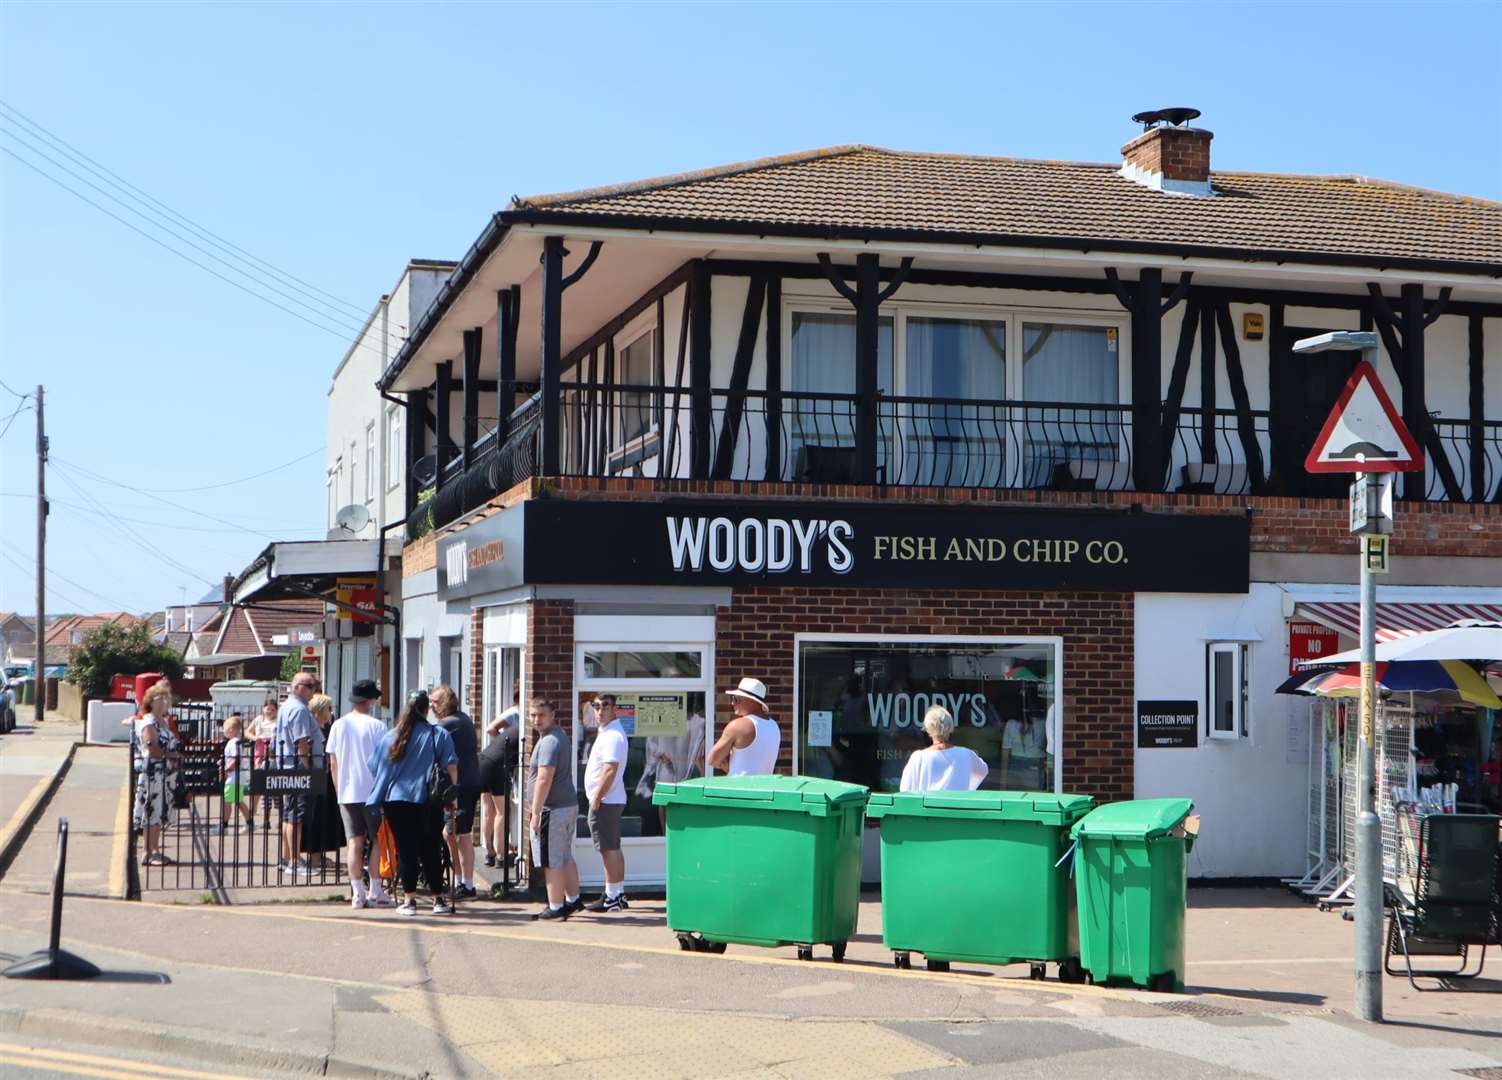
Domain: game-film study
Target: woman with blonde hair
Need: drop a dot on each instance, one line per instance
(157, 756)
(942, 766)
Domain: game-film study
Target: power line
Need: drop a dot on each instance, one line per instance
(37, 130)
(342, 336)
(225, 484)
(238, 531)
(18, 393)
(97, 478)
(52, 573)
(11, 419)
(72, 602)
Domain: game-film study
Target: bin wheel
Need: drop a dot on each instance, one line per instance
(716, 947)
(1162, 984)
(1070, 971)
(686, 943)
(938, 965)
(838, 951)
(1038, 972)
(805, 952)
(902, 960)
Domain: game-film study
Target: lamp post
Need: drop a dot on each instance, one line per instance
(1368, 825)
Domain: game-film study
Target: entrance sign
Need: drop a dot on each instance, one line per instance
(1371, 503)
(294, 781)
(1364, 433)
(1163, 725)
(1310, 641)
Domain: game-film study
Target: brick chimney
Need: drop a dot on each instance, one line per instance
(1170, 158)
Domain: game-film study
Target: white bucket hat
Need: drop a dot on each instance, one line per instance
(754, 689)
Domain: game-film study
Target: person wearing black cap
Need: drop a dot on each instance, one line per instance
(351, 742)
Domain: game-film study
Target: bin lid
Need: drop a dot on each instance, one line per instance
(1040, 806)
(1143, 819)
(772, 792)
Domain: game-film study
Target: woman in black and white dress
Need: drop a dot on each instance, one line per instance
(157, 759)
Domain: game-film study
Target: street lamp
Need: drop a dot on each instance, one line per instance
(1368, 825)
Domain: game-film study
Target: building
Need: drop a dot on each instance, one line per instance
(887, 428)
(18, 639)
(193, 618)
(67, 632)
(348, 575)
(252, 642)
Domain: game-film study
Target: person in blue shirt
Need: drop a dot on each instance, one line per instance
(402, 765)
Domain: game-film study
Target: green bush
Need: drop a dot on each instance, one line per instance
(291, 665)
(114, 650)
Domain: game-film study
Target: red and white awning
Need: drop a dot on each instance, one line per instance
(1395, 621)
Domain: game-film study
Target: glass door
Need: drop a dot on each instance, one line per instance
(662, 695)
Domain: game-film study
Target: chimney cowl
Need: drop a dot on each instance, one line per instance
(1172, 159)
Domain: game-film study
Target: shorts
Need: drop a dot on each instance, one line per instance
(359, 820)
(605, 826)
(463, 815)
(234, 792)
(294, 809)
(496, 777)
(553, 843)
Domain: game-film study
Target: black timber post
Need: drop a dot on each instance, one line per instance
(1477, 386)
(416, 420)
(507, 301)
(701, 402)
(444, 393)
(552, 353)
(472, 340)
(1415, 409)
(1208, 434)
(1147, 380)
(867, 364)
(774, 379)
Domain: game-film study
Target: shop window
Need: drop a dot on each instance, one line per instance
(1226, 690)
(861, 703)
(642, 664)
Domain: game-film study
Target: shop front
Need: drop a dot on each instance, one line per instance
(858, 617)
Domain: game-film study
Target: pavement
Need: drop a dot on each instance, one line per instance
(195, 989)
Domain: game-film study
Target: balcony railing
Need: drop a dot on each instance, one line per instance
(799, 436)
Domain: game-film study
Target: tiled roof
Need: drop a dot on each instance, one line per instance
(63, 630)
(861, 191)
(250, 630)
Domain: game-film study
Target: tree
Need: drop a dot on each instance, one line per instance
(291, 665)
(113, 650)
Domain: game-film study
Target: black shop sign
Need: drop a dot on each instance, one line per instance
(1167, 725)
(298, 781)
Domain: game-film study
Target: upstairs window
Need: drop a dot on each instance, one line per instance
(394, 448)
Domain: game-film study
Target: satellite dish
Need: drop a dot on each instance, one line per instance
(425, 469)
(350, 520)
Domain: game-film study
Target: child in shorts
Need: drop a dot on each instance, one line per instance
(235, 772)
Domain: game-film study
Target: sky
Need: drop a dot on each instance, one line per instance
(337, 141)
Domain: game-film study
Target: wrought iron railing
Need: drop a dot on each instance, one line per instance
(1473, 451)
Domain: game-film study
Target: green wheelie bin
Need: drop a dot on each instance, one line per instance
(1129, 873)
(763, 860)
(975, 876)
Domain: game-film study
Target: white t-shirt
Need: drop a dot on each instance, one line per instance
(954, 769)
(352, 740)
(1023, 741)
(610, 746)
(232, 770)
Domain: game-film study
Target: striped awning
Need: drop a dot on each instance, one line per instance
(1395, 621)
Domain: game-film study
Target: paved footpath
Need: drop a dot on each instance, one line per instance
(199, 990)
(30, 759)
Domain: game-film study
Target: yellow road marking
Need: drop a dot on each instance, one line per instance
(66, 1060)
(33, 797)
(120, 846)
(1015, 982)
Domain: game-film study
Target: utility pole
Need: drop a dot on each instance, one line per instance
(40, 664)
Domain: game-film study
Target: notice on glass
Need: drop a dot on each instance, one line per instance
(661, 715)
(820, 727)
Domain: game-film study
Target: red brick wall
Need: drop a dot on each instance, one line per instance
(550, 654)
(754, 636)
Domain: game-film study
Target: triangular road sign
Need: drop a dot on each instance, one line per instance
(1364, 433)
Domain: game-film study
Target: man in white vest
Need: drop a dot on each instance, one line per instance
(748, 745)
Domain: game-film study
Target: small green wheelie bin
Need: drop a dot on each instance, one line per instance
(763, 860)
(975, 876)
(1129, 873)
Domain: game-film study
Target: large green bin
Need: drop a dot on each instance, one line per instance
(763, 860)
(1131, 883)
(975, 876)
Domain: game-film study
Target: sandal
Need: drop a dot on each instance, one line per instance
(157, 858)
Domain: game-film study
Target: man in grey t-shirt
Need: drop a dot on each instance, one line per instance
(298, 744)
(552, 812)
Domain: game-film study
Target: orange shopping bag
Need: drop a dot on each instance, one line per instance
(386, 851)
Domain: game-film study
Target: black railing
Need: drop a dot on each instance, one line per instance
(1473, 450)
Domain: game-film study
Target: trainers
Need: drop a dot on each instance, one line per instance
(550, 914)
(597, 904)
(441, 906)
(490, 858)
(608, 903)
(574, 905)
(465, 892)
(379, 900)
(407, 907)
(358, 902)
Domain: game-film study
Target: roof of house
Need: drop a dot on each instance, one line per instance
(61, 631)
(868, 191)
(177, 641)
(250, 630)
(7, 617)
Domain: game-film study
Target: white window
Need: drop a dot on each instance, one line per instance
(822, 447)
(331, 492)
(370, 461)
(394, 447)
(1226, 690)
(354, 462)
(635, 418)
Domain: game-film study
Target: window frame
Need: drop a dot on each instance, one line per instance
(393, 447)
(1240, 700)
(624, 453)
(370, 461)
(1054, 641)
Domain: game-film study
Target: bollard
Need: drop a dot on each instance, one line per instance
(54, 962)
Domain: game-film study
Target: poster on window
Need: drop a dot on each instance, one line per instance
(660, 715)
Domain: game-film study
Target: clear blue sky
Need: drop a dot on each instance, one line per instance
(337, 141)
